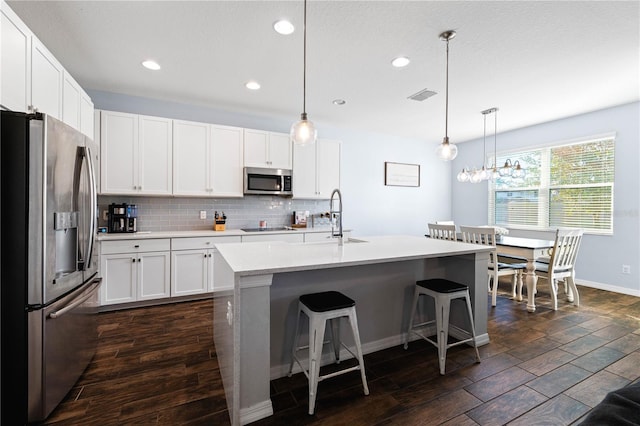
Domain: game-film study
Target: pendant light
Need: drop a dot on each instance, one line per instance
(447, 151)
(483, 173)
(304, 132)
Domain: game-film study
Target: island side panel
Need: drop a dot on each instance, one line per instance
(252, 303)
(223, 336)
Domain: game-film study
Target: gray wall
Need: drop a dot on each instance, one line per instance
(601, 256)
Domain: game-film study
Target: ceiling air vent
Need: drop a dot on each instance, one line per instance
(422, 95)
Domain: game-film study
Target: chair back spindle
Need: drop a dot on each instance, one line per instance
(442, 232)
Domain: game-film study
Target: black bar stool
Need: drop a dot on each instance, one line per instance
(443, 292)
(320, 308)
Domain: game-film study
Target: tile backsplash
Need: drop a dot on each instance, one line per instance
(183, 214)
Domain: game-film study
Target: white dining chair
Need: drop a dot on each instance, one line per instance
(486, 235)
(561, 265)
(442, 232)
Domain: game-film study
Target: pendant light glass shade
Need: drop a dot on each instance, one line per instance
(518, 171)
(447, 151)
(463, 176)
(304, 132)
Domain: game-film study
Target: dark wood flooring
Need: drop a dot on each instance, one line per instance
(157, 365)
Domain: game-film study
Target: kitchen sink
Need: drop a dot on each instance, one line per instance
(335, 241)
(282, 228)
(353, 240)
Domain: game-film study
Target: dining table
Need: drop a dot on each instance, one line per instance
(528, 249)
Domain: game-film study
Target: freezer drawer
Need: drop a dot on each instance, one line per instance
(62, 341)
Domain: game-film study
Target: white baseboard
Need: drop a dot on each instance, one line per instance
(609, 287)
(256, 412)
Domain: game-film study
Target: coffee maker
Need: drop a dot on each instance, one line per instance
(123, 217)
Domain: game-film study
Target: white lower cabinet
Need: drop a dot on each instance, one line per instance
(146, 269)
(192, 272)
(192, 264)
(134, 270)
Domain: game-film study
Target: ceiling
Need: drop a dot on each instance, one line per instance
(535, 60)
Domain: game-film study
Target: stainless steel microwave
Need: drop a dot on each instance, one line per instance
(267, 181)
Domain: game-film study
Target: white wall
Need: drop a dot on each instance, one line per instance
(601, 257)
(370, 207)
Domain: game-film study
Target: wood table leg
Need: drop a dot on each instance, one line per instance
(531, 287)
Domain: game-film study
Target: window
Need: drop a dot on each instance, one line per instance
(565, 186)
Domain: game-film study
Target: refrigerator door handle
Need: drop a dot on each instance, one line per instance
(78, 301)
(88, 233)
(93, 209)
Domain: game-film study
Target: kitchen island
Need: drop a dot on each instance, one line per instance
(256, 308)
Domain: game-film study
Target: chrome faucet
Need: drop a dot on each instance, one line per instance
(333, 214)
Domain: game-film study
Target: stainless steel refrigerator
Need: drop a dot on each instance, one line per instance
(49, 265)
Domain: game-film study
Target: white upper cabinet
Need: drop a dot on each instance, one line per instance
(226, 161)
(118, 152)
(46, 81)
(328, 157)
(316, 169)
(87, 115)
(267, 149)
(136, 154)
(15, 57)
(71, 98)
(155, 150)
(207, 160)
(31, 79)
(77, 107)
(191, 151)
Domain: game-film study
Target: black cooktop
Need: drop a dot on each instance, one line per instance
(265, 229)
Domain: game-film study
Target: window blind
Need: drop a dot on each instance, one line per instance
(569, 185)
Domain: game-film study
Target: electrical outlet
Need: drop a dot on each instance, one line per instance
(203, 214)
(105, 215)
(626, 269)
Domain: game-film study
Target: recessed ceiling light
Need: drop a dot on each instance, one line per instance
(283, 27)
(401, 61)
(252, 85)
(152, 65)
(339, 102)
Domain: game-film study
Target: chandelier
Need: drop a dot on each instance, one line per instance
(481, 174)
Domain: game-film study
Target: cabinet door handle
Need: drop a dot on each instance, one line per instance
(139, 260)
(205, 255)
(136, 246)
(133, 260)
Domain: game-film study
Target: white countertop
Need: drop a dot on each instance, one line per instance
(202, 233)
(272, 257)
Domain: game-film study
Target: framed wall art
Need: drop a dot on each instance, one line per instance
(401, 174)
